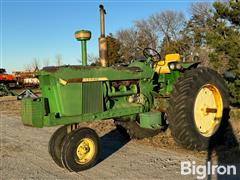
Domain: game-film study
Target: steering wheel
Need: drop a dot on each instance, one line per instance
(150, 52)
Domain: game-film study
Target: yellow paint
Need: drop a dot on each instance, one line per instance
(80, 80)
(63, 82)
(208, 110)
(94, 79)
(85, 151)
(161, 67)
(83, 34)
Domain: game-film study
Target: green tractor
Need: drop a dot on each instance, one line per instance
(143, 98)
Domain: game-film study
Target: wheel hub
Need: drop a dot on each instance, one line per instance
(208, 110)
(85, 151)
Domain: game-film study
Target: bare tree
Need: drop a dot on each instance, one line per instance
(147, 35)
(200, 9)
(198, 26)
(128, 39)
(91, 59)
(27, 67)
(35, 64)
(168, 23)
(58, 59)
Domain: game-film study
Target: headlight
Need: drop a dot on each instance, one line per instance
(172, 66)
(178, 66)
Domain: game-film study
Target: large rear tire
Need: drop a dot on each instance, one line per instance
(198, 108)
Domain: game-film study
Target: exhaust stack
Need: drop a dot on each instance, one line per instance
(102, 39)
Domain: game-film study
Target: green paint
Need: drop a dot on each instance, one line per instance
(111, 73)
(187, 65)
(166, 82)
(78, 94)
(151, 120)
(84, 52)
(32, 112)
(51, 120)
(83, 36)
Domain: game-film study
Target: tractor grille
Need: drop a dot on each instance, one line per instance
(92, 97)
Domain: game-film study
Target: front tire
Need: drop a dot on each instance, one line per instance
(80, 150)
(55, 144)
(198, 108)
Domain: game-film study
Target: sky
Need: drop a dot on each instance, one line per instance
(43, 29)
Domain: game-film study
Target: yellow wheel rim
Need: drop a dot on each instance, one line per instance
(85, 151)
(208, 110)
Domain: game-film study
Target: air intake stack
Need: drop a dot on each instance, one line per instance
(83, 36)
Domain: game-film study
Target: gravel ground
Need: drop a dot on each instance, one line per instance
(24, 152)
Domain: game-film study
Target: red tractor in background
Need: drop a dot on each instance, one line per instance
(9, 80)
(19, 79)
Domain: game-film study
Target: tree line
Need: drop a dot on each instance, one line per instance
(37, 64)
(212, 34)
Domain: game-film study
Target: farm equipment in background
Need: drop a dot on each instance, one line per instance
(27, 93)
(4, 91)
(19, 79)
(9, 80)
(26, 79)
(196, 100)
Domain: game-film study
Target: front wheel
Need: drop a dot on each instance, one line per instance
(55, 144)
(80, 150)
(198, 108)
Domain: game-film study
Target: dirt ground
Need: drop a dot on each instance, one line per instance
(24, 152)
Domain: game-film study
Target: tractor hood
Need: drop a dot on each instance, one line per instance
(136, 70)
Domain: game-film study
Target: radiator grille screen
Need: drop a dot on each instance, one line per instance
(92, 97)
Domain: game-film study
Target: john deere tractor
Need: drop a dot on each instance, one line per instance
(143, 98)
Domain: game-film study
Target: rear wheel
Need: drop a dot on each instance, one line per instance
(80, 150)
(198, 108)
